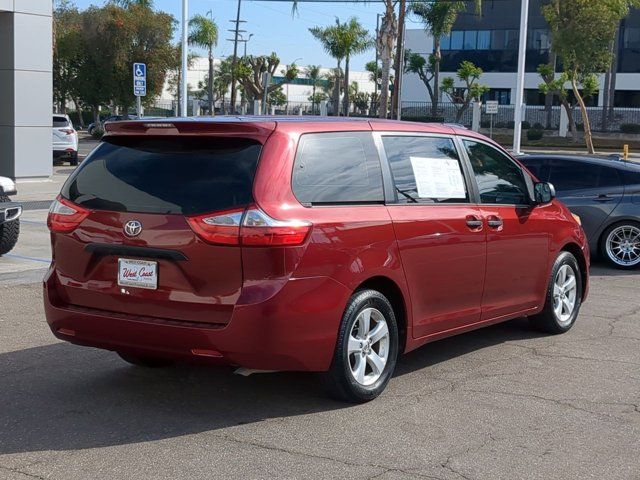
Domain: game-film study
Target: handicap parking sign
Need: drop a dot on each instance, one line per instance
(139, 79)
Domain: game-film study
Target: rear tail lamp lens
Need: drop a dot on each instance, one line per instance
(220, 228)
(251, 227)
(260, 230)
(65, 216)
(68, 131)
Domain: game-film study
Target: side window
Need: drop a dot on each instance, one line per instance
(608, 177)
(568, 175)
(335, 168)
(425, 169)
(499, 179)
(535, 166)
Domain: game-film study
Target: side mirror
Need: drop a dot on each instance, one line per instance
(544, 193)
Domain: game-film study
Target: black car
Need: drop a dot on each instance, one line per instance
(9, 213)
(604, 193)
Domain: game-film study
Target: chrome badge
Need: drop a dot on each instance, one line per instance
(132, 228)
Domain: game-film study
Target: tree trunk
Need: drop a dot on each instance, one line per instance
(398, 68)
(212, 110)
(435, 98)
(548, 99)
(336, 93)
(585, 116)
(95, 109)
(614, 75)
(386, 43)
(345, 100)
(78, 105)
(572, 122)
(313, 99)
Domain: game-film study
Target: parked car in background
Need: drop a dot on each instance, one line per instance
(65, 139)
(9, 216)
(605, 194)
(326, 245)
(111, 118)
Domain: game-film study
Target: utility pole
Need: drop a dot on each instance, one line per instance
(234, 60)
(185, 53)
(518, 114)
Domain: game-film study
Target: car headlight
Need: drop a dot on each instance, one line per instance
(577, 219)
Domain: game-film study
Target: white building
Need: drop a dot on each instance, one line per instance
(25, 88)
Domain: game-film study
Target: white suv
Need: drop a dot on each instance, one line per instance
(65, 139)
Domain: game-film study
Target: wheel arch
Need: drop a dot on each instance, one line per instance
(575, 250)
(390, 289)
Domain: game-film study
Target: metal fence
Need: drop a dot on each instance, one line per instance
(534, 115)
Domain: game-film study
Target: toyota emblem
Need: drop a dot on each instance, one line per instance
(132, 228)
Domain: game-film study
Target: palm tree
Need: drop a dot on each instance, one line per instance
(314, 74)
(204, 34)
(332, 39)
(356, 40)
(438, 17)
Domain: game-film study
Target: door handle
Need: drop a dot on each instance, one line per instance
(603, 198)
(474, 223)
(494, 221)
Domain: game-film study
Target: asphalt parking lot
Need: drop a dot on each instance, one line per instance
(503, 402)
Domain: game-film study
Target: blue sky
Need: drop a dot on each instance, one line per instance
(274, 28)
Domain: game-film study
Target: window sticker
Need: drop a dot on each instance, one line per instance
(438, 177)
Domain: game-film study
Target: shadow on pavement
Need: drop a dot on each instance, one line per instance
(63, 397)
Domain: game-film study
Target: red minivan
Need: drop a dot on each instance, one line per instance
(325, 245)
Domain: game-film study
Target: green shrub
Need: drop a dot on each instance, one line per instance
(538, 126)
(485, 123)
(535, 134)
(525, 125)
(423, 118)
(630, 128)
(97, 133)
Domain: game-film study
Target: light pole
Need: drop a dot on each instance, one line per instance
(245, 41)
(185, 53)
(518, 114)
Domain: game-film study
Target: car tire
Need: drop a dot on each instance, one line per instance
(145, 361)
(90, 130)
(366, 349)
(563, 298)
(73, 161)
(620, 245)
(9, 232)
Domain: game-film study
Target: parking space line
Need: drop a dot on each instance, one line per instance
(24, 257)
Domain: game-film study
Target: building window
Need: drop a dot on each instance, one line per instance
(498, 39)
(631, 37)
(456, 40)
(512, 39)
(484, 40)
(470, 38)
(539, 40)
(445, 42)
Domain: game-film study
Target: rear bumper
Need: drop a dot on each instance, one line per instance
(295, 329)
(64, 152)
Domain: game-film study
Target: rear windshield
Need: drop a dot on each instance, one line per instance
(169, 175)
(60, 122)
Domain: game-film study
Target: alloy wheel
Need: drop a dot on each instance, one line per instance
(623, 245)
(368, 348)
(565, 289)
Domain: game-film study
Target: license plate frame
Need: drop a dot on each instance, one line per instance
(137, 273)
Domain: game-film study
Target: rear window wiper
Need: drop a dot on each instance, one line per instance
(407, 195)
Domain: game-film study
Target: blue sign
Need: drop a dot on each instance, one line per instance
(139, 79)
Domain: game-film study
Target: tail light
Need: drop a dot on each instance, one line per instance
(68, 131)
(221, 228)
(252, 228)
(65, 216)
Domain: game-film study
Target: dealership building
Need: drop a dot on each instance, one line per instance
(25, 88)
(490, 40)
